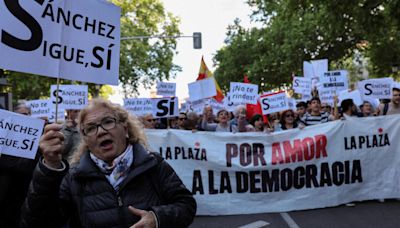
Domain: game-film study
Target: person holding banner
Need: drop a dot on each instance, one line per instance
(114, 182)
(367, 109)
(316, 116)
(287, 121)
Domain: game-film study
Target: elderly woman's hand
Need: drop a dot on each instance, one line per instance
(147, 219)
(52, 145)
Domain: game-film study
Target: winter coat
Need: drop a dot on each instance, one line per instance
(83, 197)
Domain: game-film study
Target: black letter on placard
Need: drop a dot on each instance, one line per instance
(160, 106)
(367, 88)
(59, 100)
(37, 34)
(266, 104)
(296, 82)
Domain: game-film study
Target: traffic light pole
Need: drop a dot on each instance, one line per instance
(196, 38)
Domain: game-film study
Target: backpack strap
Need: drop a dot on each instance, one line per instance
(385, 108)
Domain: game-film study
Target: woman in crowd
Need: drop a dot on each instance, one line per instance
(115, 181)
(287, 121)
(223, 124)
(366, 109)
(257, 122)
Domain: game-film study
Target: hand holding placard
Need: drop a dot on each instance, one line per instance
(52, 145)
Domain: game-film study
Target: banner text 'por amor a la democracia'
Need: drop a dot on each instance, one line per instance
(320, 166)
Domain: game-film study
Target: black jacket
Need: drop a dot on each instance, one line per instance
(83, 197)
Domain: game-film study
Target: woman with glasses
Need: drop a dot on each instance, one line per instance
(287, 121)
(113, 180)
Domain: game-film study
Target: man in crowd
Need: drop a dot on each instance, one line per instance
(115, 181)
(316, 116)
(393, 107)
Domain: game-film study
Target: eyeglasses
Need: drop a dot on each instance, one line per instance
(182, 119)
(107, 123)
(290, 115)
(323, 106)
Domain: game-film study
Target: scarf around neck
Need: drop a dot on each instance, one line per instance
(116, 172)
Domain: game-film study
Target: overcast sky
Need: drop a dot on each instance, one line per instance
(211, 18)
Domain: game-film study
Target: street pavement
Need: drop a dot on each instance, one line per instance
(364, 214)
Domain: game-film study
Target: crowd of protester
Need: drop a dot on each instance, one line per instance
(16, 173)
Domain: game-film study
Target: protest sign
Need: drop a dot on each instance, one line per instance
(327, 95)
(380, 88)
(70, 96)
(306, 97)
(197, 106)
(354, 95)
(292, 104)
(66, 39)
(204, 88)
(166, 89)
(39, 108)
(274, 102)
(319, 166)
(335, 79)
(302, 85)
(315, 68)
(165, 107)
(215, 105)
(60, 115)
(243, 93)
(229, 105)
(19, 134)
(139, 106)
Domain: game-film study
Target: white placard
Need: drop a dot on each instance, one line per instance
(274, 102)
(166, 89)
(292, 104)
(184, 107)
(335, 79)
(19, 134)
(396, 85)
(229, 105)
(66, 39)
(327, 95)
(139, 106)
(204, 88)
(380, 88)
(165, 107)
(215, 105)
(197, 106)
(52, 115)
(306, 97)
(354, 95)
(243, 93)
(39, 108)
(302, 85)
(70, 96)
(315, 68)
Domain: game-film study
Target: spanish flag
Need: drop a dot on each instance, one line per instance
(204, 72)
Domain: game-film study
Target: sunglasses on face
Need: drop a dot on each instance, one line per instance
(182, 119)
(290, 115)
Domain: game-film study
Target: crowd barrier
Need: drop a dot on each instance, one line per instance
(319, 166)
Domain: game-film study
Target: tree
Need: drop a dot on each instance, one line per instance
(294, 31)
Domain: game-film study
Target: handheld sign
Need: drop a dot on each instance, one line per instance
(315, 68)
(335, 79)
(244, 93)
(327, 95)
(19, 134)
(197, 106)
(70, 96)
(354, 95)
(204, 88)
(166, 89)
(139, 106)
(39, 108)
(216, 106)
(68, 39)
(165, 107)
(230, 105)
(274, 102)
(380, 88)
(302, 85)
(52, 115)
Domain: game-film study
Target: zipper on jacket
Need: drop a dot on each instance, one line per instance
(120, 203)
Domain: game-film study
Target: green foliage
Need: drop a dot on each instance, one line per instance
(294, 31)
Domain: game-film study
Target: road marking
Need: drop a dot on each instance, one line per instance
(291, 223)
(257, 224)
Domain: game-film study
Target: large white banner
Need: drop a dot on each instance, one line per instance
(320, 166)
(69, 39)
